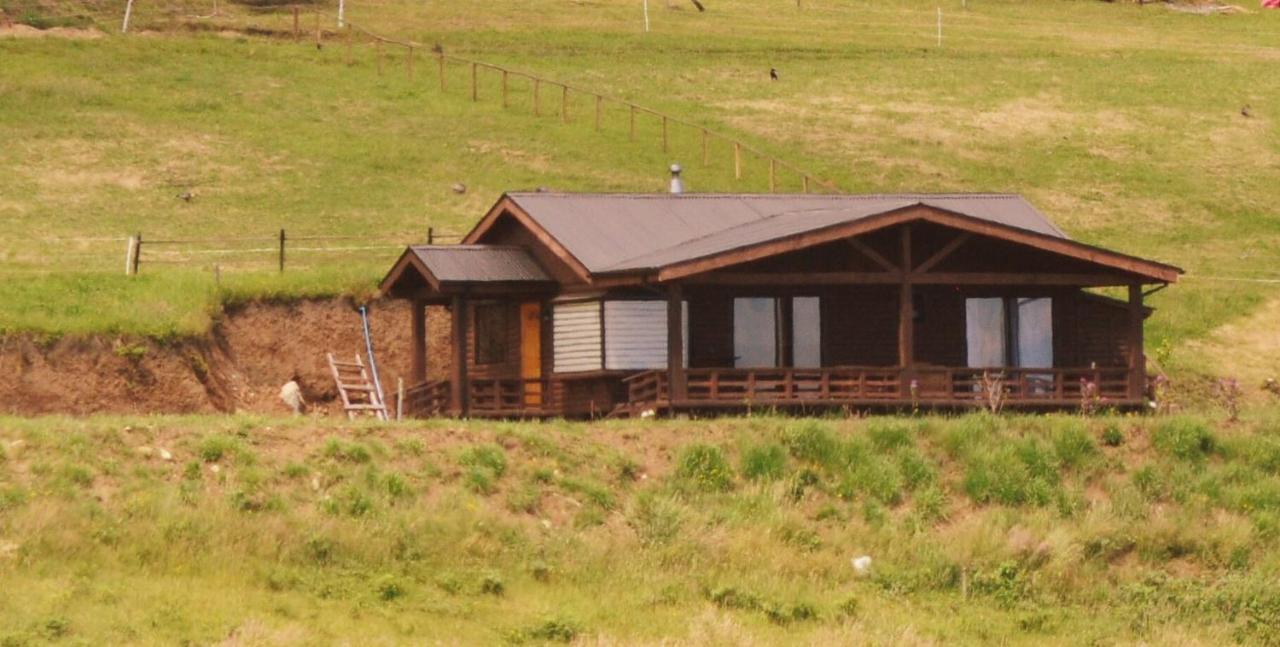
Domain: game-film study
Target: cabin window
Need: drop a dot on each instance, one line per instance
(491, 333)
(806, 332)
(1009, 332)
(759, 337)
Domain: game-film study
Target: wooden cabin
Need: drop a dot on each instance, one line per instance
(581, 305)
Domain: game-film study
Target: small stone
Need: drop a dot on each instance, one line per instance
(315, 483)
(862, 565)
(165, 455)
(215, 469)
(459, 188)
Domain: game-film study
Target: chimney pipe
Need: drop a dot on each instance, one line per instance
(677, 186)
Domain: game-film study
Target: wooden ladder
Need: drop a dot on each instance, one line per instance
(359, 395)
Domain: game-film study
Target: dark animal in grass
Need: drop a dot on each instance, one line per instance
(1246, 112)
(773, 73)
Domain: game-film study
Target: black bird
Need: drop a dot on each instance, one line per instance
(773, 73)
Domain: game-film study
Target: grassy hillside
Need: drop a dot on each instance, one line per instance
(1123, 123)
(980, 530)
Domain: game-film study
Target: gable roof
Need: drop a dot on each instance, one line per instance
(610, 233)
(447, 265)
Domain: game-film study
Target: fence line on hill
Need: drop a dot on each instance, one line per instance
(808, 181)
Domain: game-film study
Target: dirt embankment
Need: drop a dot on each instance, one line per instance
(239, 366)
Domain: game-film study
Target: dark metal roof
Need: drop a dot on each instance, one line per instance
(622, 232)
(479, 263)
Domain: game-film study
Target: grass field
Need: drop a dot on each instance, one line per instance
(1057, 529)
(1123, 123)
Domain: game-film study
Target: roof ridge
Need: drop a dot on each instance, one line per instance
(772, 196)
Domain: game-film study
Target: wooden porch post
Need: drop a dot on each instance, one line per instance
(418, 334)
(906, 323)
(677, 388)
(458, 400)
(1137, 361)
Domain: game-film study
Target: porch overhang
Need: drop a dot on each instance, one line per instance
(436, 273)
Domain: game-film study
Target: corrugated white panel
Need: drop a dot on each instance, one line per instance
(576, 336)
(635, 335)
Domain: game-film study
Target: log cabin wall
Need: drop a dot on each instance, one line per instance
(508, 367)
(1089, 329)
(940, 326)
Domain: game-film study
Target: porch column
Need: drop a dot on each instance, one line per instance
(418, 335)
(1137, 361)
(906, 324)
(676, 385)
(458, 400)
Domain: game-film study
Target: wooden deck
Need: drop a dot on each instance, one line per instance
(730, 389)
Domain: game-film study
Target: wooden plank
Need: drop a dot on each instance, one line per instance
(675, 342)
(458, 370)
(876, 257)
(943, 253)
(906, 322)
(1137, 362)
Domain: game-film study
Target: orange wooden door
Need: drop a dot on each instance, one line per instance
(531, 352)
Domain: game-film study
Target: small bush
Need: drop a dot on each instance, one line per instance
(389, 588)
(655, 520)
(916, 470)
(549, 630)
(1184, 438)
(491, 584)
(1073, 446)
(764, 462)
(480, 481)
(346, 452)
(488, 457)
(888, 434)
(525, 499)
(592, 491)
(1112, 436)
(411, 446)
(729, 597)
(295, 470)
(811, 441)
(78, 475)
(704, 468)
(216, 447)
(396, 485)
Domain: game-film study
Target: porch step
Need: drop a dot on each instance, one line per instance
(353, 380)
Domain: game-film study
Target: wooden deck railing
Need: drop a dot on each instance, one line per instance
(871, 385)
(427, 399)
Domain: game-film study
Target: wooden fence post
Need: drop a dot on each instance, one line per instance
(128, 256)
(737, 161)
(804, 183)
(297, 31)
(599, 101)
(137, 252)
(350, 45)
(431, 235)
(537, 109)
(317, 29)
(442, 83)
(504, 89)
(475, 93)
(282, 250)
(564, 103)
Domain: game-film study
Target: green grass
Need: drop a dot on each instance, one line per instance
(297, 531)
(1121, 122)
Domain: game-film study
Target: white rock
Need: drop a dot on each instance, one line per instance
(165, 455)
(862, 565)
(315, 483)
(215, 469)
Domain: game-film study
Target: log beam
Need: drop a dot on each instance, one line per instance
(418, 340)
(458, 369)
(1137, 361)
(675, 343)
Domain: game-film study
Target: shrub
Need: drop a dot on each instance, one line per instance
(764, 462)
(1184, 438)
(216, 447)
(347, 452)
(491, 584)
(887, 434)
(931, 503)
(397, 486)
(389, 588)
(704, 468)
(1112, 436)
(811, 441)
(655, 520)
(480, 481)
(916, 470)
(1012, 476)
(549, 630)
(488, 457)
(1073, 446)
(877, 478)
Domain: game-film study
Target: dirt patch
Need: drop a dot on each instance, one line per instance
(27, 31)
(240, 366)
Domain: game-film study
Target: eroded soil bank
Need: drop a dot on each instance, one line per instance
(239, 366)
